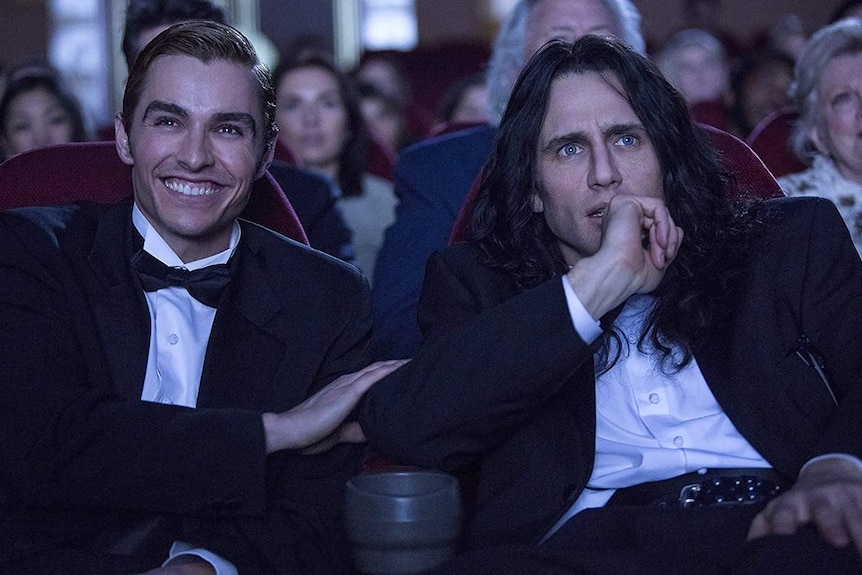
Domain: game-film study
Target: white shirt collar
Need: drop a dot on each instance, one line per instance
(156, 246)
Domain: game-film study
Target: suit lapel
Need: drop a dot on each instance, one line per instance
(118, 303)
(243, 355)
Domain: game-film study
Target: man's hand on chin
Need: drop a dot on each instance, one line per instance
(828, 494)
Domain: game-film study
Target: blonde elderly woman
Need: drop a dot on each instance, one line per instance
(827, 89)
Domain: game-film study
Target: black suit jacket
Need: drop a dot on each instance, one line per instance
(86, 462)
(315, 200)
(504, 386)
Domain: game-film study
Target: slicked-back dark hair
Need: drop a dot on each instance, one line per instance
(518, 241)
(206, 41)
(143, 14)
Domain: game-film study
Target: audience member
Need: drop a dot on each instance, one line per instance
(386, 73)
(827, 90)
(37, 111)
(707, 15)
(788, 35)
(694, 62)
(156, 426)
(321, 124)
(466, 102)
(630, 362)
(314, 198)
(759, 87)
(432, 178)
(145, 19)
(383, 116)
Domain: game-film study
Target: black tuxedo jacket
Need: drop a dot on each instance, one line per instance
(94, 477)
(504, 386)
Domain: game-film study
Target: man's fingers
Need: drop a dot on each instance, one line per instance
(351, 432)
(377, 371)
(854, 527)
(759, 527)
(830, 524)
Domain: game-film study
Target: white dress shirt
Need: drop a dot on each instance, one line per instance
(180, 329)
(651, 424)
(180, 325)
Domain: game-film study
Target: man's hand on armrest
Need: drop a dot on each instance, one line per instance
(828, 494)
(316, 424)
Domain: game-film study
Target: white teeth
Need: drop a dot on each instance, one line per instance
(188, 190)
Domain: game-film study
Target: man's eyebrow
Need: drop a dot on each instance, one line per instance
(160, 106)
(615, 129)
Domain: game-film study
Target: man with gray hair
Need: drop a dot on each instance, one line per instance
(433, 177)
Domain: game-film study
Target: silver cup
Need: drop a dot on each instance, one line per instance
(402, 522)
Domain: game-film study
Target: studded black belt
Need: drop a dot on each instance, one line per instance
(705, 488)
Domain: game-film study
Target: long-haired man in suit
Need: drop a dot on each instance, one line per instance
(641, 376)
(432, 177)
(174, 381)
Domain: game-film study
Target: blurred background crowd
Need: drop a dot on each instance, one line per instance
(358, 81)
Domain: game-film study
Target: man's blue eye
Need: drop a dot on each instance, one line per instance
(233, 130)
(628, 140)
(569, 150)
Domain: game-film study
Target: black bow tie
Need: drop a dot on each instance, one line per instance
(205, 285)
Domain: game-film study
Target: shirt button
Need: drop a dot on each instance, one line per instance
(173, 339)
(678, 441)
(654, 398)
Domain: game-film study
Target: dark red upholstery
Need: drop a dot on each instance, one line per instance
(753, 178)
(93, 171)
(710, 113)
(770, 139)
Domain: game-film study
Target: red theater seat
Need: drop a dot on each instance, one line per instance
(93, 171)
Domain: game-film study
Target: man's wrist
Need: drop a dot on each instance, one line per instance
(588, 327)
(275, 432)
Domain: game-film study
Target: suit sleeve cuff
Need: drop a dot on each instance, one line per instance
(588, 328)
(183, 551)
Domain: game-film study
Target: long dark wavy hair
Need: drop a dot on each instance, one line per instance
(518, 242)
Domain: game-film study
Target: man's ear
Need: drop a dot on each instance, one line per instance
(121, 139)
(265, 159)
(819, 144)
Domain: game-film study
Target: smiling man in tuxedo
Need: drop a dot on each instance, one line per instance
(176, 382)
